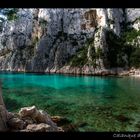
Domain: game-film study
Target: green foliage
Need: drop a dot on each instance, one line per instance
(90, 44)
(117, 48)
(35, 41)
(135, 58)
(93, 63)
(80, 58)
(99, 53)
(92, 52)
(10, 13)
(7, 14)
(130, 34)
(43, 22)
(133, 52)
(113, 48)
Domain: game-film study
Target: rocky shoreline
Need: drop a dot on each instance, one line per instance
(79, 41)
(87, 71)
(30, 119)
(99, 72)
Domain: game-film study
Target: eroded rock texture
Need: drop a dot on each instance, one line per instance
(65, 40)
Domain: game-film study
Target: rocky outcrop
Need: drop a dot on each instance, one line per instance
(3, 113)
(16, 123)
(134, 72)
(60, 121)
(65, 40)
(39, 116)
(40, 128)
(29, 119)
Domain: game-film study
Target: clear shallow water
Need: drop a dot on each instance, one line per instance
(101, 103)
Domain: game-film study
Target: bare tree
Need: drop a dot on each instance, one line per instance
(3, 113)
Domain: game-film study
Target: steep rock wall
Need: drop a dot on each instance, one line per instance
(62, 40)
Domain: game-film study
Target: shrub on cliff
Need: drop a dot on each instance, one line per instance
(135, 58)
(9, 13)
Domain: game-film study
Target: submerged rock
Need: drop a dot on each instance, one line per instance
(70, 128)
(109, 97)
(60, 120)
(123, 118)
(83, 124)
(130, 107)
(138, 125)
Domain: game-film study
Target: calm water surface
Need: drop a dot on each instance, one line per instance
(101, 103)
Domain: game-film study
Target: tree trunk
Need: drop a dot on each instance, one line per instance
(3, 113)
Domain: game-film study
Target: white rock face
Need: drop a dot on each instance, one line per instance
(44, 40)
(40, 128)
(30, 119)
(116, 16)
(38, 115)
(133, 16)
(110, 18)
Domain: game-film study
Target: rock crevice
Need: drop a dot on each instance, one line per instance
(45, 40)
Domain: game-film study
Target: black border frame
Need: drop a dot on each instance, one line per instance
(70, 4)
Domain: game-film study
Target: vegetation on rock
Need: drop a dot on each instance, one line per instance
(80, 58)
(135, 58)
(10, 13)
(119, 48)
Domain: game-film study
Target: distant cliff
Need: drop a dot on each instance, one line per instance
(78, 41)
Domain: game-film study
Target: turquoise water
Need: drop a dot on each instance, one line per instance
(101, 103)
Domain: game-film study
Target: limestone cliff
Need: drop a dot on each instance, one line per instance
(76, 41)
